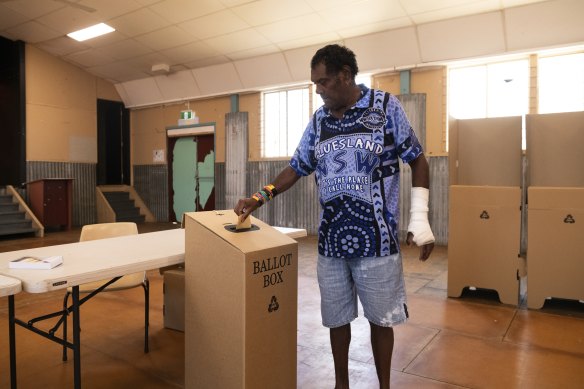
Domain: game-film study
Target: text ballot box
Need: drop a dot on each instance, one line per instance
(241, 297)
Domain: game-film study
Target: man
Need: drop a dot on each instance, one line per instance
(352, 144)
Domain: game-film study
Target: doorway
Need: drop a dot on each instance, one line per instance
(13, 113)
(113, 143)
(191, 174)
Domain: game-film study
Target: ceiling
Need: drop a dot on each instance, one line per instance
(192, 34)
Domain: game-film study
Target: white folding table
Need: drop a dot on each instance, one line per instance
(90, 261)
(9, 286)
(86, 262)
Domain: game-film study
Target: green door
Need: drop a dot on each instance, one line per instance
(192, 178)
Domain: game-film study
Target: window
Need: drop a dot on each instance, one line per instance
(490, 90)
(285, 114)
(561, 83)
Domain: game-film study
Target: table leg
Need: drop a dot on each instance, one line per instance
(12, 337)
(76, 339)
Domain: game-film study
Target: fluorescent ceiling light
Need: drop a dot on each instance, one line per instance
(91, 32)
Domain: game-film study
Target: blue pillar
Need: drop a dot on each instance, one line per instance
(234, 103)
(404, 82)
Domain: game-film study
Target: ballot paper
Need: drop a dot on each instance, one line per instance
(242, 225)
(30, 262)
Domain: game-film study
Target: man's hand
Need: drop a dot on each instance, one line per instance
(419, 231)
(245, 207)
(425, 250)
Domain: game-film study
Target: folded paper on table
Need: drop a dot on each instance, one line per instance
(30, 262)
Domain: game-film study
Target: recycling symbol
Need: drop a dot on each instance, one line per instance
(273, 305)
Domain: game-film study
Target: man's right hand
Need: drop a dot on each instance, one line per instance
(245, 207)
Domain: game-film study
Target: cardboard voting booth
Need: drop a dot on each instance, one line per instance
(555, 203)
(240, 304)
(556, 243)
(484, 224)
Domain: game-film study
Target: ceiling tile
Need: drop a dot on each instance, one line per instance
(32, 8)
(62, 45)
(317, 39)
(456, 11)
(124, 49)
(295, 28)
(237, 41)
(350, 16)
(442, 40)
(10, 18)
(298, 60)
(145, 62)
(269, 11)
(420, 6)
(515, 3)
(107, 9)
(401, 46)
(263, 71)
(147, 2)
(218, 23)
(138, 22)
(143, 91)
(177, 86)
(117, 71)
(165, 38)
(523, 32)
(319, 5)
(195, 51)
(33, 32)
(218, 60)
(178, 11)
(233, 3)
(89, 58)
(213, 79)
(69, 19)
(371, 28)
(255, 52)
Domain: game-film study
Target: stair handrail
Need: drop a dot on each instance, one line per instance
(105, 212)
(39, 229)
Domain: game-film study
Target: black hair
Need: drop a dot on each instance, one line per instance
(334, 58)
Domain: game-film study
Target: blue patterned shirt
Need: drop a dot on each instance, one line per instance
(355, 161)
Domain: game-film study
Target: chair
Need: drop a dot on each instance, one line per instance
(102, 231)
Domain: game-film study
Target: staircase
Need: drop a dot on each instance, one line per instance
(124, 207)
(12, 219)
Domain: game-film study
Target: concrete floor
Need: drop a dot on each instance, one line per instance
(467, 342)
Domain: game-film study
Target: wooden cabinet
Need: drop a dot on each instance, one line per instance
(50, 200)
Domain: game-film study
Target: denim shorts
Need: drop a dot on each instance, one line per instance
(377, 281)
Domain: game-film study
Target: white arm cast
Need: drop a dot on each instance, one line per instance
(419, 225)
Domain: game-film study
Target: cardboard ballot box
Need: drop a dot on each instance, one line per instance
(484, 231)
(174, 299)
(555, 244)
(240, 304)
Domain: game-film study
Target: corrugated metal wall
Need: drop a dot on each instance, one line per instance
(151, 183)
(298, 207)
(83, 206)
(415, 107)
(220, 202)
(439, 198)
(236, 150)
